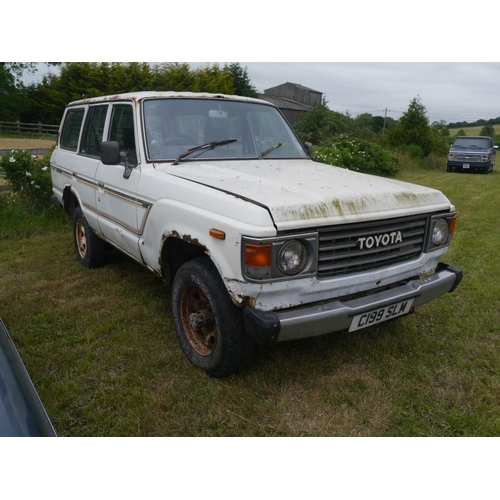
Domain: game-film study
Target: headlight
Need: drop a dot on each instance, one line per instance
(440, 232)
(279, 257)
(292, 257)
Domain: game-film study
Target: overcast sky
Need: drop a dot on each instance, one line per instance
(451, 92)
(370, 42)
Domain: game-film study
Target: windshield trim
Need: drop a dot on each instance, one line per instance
(296, 149)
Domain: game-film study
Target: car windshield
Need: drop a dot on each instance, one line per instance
(181, 129)
(471, 142)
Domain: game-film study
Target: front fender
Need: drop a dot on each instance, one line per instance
(192, 225)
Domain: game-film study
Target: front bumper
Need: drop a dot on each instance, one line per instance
(471, 165)
(269, 327)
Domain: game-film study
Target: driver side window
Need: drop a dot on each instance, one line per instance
(93, 131)
(122, 130)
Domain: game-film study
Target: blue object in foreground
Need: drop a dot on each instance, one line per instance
(21, 411)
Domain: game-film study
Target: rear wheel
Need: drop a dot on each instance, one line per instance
(208, 325)
(90, 249)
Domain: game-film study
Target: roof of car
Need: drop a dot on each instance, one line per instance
(137, 96)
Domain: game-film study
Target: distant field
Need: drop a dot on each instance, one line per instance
(472, 130)
(25, 143)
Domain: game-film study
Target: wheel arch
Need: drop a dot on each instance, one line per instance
(177, 250)
(70, 200)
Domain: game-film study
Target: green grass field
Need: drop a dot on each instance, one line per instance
(472, 130)
(102, 353)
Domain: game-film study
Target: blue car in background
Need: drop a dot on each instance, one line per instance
(472, 154)
(21, 411)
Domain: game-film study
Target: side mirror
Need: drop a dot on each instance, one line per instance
(309, 148)
(110, 153)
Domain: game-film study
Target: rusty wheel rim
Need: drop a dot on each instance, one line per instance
(81, 239)
(198, 320)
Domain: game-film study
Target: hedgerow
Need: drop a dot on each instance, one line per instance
(29, 176)
(356, 154)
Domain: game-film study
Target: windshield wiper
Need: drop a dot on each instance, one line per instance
(267, 151)
(206, 147)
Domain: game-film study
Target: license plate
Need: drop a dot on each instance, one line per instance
(379, 315)
(466, 165)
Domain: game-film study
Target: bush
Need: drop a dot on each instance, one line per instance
(355, 154)
(412, 150)
(320, 124)
(29, 176)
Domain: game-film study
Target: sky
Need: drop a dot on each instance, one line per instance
(450, 91)
(364, 56)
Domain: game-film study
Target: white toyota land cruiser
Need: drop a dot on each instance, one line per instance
(216, 195)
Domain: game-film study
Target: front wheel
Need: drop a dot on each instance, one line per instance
(90, 249)
(208, 325)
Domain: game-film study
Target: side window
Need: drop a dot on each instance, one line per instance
(93, 130)
(71, 128)
(122, 130)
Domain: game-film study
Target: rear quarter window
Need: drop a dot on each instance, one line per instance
(71, 129)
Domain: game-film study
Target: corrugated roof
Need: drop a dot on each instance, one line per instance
(303, 87)
(285, 102)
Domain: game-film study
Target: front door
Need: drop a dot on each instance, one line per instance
(117, 201)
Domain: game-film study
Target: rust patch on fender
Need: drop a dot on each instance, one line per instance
(244, 299)
(187, 238)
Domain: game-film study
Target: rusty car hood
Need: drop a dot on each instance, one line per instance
(303, 193)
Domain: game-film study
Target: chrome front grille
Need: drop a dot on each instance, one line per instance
(354, 248)
(467, 157)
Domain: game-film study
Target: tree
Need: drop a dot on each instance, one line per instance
(380, 124)
(242, 84)
(362, 127)
(214, 79)
(46, 101)
(488, 130)
(175, 77)
(441, 128)
(16, 69)
(320, 124)
(13, 99)
(413, 128)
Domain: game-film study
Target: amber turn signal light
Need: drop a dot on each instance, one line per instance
(452, 225)
(217, 233)
(258, 255)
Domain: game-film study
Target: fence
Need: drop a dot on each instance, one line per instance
(28, 128)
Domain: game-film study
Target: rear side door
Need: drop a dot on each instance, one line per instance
(76, 159)
(117, 202)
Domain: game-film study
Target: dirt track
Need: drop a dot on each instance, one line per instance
(25, 143)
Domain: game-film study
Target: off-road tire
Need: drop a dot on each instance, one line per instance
(209, 326)
(90, 249)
